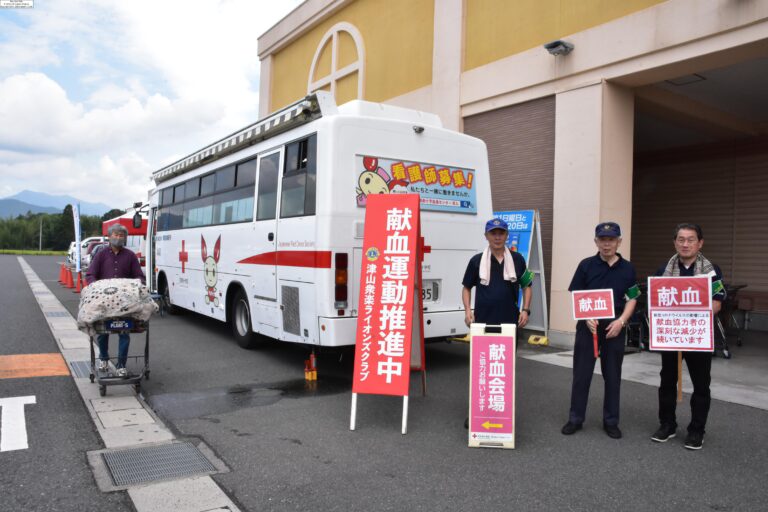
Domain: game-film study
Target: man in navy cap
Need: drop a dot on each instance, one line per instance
(497, 273)
(606, 269)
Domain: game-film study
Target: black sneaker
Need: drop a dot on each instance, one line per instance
(664, 434)
(612, 431)
(694, 440)
(570, 428)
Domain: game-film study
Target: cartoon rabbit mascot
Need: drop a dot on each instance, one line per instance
(210, 270)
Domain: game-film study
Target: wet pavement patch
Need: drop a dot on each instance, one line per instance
(208, 402)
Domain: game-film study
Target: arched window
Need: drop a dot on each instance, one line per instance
(338, 64)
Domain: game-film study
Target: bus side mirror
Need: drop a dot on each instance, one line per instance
(137, 220)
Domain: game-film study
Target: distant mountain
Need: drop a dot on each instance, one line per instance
(59, 202)
(14, 207)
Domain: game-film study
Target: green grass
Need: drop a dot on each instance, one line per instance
(25, 252)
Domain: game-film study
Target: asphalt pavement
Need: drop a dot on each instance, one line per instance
(52, 474)
(288, 445)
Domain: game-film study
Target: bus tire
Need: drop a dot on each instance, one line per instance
(165, 293)
(240, 320)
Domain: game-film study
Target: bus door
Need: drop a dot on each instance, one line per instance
(264, 241)
(149, 250)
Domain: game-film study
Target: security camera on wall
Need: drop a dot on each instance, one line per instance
(559, 47)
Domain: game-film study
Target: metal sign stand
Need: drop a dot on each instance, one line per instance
(525, 238)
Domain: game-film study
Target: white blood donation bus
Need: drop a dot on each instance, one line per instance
(263, 229)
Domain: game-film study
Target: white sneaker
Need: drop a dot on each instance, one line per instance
(103, 365)
(122, 372)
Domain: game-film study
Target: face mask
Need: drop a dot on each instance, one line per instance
(117, 242)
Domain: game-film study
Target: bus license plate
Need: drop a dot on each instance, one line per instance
(120, 325)
(430, 290)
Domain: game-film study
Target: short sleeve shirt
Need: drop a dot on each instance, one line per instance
(495, 303)
(594, 274)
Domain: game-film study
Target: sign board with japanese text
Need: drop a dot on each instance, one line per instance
(440, 188)
(525, 238)
(680, 313)
(492, 387)
(592, 304)
(389, 340)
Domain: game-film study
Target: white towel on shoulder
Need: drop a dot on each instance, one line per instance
(485, 266)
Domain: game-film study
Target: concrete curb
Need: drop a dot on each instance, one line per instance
(124, 420)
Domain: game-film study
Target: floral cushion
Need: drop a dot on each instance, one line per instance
(112, 298)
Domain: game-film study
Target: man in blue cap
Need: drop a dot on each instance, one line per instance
(606, 269)
(497, 273)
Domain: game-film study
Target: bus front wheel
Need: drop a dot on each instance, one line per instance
(241, 321)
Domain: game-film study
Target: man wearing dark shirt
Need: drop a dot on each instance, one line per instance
(688, 261)
(497, 275)
(607, 269)
(115, 262)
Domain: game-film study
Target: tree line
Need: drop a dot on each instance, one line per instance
(58, 229)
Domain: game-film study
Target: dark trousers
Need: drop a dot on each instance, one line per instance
(699, 366)
(611, 357)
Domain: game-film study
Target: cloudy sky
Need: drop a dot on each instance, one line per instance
(97, 94)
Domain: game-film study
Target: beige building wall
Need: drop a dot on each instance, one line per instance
(461, 58)
(593, 184)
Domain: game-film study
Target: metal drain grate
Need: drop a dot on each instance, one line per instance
(56, 313)
(81, 369)
(140, 465)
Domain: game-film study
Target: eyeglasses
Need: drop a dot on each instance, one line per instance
(683, 241)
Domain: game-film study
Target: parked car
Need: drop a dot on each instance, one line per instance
(90, 251)
(72, 254)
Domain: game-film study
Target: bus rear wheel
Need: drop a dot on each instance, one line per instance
(241, 321)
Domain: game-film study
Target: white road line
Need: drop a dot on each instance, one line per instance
(13, 423)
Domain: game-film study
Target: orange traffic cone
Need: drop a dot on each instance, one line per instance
(61, 273)
(68, 276)
(79, 286)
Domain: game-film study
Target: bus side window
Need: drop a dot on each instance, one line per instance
(266, 202)
(164, 213)
(298, 190)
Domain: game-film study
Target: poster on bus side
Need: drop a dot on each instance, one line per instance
(386, 313)
(680, 314)
(441, 188)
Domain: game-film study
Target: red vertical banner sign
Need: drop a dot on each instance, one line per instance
(389, 300)
(680, 311)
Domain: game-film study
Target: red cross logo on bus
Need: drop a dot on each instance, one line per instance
(183, 256)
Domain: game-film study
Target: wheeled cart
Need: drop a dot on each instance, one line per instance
(137, 366)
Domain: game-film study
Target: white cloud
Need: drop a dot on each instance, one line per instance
(45, 120)
(105, 92)
(114, 180)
